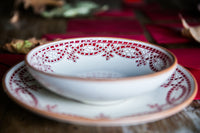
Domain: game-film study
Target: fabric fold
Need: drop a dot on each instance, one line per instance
(122, 26)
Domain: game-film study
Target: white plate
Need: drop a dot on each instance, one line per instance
(170, 98)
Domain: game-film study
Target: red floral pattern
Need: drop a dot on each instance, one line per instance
(179, 87)
(71, 50)
(25, 88)
(23, 84)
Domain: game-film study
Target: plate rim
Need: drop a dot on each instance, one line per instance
(129, 120)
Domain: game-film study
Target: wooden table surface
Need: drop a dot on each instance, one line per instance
(15, 119)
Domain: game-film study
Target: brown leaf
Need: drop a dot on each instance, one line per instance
(38, 5)
(15, 17)
(190, 31)
(23, 46)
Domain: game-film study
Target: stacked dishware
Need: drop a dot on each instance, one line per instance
(101, 81)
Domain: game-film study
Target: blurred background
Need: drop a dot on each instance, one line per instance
(24, 19)
(6, 7)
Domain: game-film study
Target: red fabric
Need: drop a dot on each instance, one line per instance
(51, 37)
(168, 33)
(3, 69)
(123, 26)
(196, 74)
(8, 60)
(165, 34)
(166, 15)
(190, 58)
(116, 13)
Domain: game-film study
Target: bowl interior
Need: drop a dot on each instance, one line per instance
(99, 58)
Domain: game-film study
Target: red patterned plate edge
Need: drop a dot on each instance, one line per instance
(134, 120)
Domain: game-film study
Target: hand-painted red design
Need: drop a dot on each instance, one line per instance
(177, 90)
(25, 83)
(25, 88)
(50, 108)
(157, 106)
(21, 91)
(71, 50)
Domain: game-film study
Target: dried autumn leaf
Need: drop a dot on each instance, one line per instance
(14, 46)
(190, 31)
(23, 46)
(39, 5)
(15, 17)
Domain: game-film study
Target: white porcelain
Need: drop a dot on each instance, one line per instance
(174, 95)
(100, 70)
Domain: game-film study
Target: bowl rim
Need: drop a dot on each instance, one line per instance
(173, 66)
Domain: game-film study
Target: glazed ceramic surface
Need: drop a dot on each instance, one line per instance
(172, 96)
(94, 70)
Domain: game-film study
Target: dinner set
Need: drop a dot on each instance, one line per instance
(102, 81)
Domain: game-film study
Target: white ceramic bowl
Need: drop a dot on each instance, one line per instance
(100, 70)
